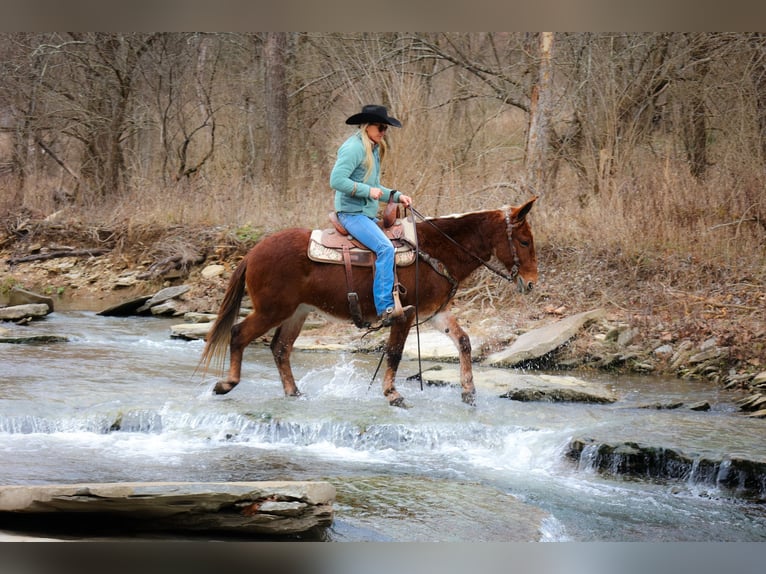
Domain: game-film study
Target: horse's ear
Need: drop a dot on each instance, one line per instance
(521, 212)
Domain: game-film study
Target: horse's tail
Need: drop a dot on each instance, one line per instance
(219, 337)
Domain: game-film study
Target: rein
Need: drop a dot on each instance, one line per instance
(509, 231)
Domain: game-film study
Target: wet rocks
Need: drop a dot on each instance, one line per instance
(754, 405)
(735, 476)
(161, 303)
(526, 387)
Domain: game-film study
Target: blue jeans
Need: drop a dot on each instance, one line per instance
(366, 231)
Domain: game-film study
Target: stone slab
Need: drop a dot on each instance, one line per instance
(272, 508)
(539, 342)
(526, 387)
(28, 310)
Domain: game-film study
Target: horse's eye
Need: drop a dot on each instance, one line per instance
(524, 243)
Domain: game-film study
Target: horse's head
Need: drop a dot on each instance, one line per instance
(518, 253)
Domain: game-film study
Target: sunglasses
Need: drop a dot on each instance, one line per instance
(381, 127)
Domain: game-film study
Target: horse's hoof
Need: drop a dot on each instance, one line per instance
(469, 399)
(223, 387)
(399, 402)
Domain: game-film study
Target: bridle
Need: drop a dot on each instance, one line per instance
(509, 226)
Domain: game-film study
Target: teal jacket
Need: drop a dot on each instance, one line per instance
(352, 192)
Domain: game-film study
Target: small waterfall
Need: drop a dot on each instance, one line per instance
(731, 476)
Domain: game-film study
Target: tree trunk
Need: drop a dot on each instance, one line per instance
(541, 100)
(696, 123)
(759, 86)
(275, 97)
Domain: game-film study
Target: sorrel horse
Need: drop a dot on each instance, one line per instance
(285, 286)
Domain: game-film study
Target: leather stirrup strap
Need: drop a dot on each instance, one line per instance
(353, 298)
(398, 310)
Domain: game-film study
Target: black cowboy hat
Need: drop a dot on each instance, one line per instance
(373, 114)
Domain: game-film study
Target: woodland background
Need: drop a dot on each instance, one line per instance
(648, 150)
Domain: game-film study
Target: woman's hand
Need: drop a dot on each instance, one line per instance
(405, 200)
(375, 192)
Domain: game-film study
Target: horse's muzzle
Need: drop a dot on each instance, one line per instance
(523, 285)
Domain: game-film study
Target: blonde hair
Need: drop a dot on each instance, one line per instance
(369, 160)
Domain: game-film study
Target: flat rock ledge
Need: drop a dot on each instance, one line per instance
(526, 387)
(264, 510)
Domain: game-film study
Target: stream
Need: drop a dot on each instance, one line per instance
(121, 402)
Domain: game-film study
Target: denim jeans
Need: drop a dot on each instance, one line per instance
(367, 232)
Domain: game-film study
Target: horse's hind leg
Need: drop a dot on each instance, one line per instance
(282, 347)
(447, 324)
(242, 334)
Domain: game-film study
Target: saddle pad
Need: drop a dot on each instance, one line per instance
(325, 246)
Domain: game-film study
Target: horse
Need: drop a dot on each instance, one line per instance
(285, 285)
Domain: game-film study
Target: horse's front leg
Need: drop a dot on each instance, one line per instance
(282, 347)
(394, 349)
(447, 323)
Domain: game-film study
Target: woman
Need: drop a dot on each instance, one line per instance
(356, 181)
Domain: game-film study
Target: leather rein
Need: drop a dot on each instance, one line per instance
(509, 225)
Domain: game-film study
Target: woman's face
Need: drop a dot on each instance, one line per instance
(376, 132)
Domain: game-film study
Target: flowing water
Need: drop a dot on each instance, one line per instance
(120, 402)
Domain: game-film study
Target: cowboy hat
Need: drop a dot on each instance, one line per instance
(372, 114)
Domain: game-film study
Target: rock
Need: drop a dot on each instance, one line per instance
(709, 354)
(539, 342)
(163, 295)
(272, 509)
(700, 406)
(124, 281)
(212, 271)
(194, 317)
(753, 402)
(166, 308)
(19, 296)
(28, 311)
(739, 477)
(759, 378)
(190, 331)
(663, 351)
(681, 355)
(126, 308)
(32, 339)
(525, 387)
(435, 346)
(708, 344)
(626, 337)
(662, 406)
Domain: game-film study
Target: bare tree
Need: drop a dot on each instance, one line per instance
(275, 99)
(758, 76)
(537, 164)
(105, 65)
